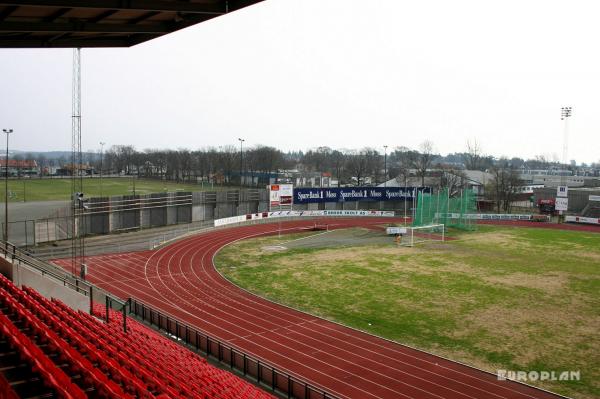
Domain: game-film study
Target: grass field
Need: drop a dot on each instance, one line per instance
(499, 298)
(60, 189)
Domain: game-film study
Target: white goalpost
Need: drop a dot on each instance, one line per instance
(419, 234)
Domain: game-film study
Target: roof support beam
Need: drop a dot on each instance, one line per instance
(143, 17)
(139, 5)
(79, 26)
(102, 16)
(59, 13)
(66, 43)
(7, 11)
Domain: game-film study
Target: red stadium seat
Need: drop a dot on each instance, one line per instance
(138, 364)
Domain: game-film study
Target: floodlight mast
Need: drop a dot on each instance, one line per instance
(565, 114)
(77, 243)
(8, 132)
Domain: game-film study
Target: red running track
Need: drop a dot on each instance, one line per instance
(180, 279)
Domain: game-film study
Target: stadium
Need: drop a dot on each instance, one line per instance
(388, 289)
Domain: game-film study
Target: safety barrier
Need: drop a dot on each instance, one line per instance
(264, 374)
(581, 219)
(300, 214)
(495, 216)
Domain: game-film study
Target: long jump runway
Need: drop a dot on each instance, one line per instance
(180, 279)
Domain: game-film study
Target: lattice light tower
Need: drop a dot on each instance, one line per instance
(77, 245)
(565, 114)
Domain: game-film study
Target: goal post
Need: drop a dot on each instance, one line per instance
(418, 234)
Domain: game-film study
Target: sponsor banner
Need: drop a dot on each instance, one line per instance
(594, 198)
(330, 213)
(360, 213)
(230, 220)
(395, 230)
(255, 216)
(562, 191)
(287, 214)
(486, 216)
(561, 204)
(281, 194)
(313, 195)
(581, 219)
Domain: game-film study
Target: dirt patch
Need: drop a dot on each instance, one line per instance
(524, 331)
(546, 282)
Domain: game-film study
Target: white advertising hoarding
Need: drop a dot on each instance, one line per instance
(281, 194)
(581, 219)
(561, 204)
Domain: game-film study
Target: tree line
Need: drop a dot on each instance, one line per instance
(224, 165)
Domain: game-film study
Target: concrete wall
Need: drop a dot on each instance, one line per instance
(23, 275)
(129, 212)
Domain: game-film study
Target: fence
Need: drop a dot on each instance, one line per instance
(264, 374)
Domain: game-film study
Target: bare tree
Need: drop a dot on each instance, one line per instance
(357, 165)
(473, 155)
(399, 163)
(452, 179)
(503, 187)
(338, 161)
(423, 159)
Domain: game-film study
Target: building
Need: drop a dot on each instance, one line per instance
(18, 167)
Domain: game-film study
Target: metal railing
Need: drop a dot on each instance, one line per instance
(263, 374)
(13, 253)
(93, 292)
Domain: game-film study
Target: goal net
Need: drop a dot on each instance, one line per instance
(418, 234)
(452, 211)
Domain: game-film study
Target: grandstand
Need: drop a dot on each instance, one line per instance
(49, 350)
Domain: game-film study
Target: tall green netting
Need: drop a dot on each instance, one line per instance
(457, 211)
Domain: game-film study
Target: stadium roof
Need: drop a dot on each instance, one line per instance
(102, 23)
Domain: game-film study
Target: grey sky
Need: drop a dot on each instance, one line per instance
(296, 74)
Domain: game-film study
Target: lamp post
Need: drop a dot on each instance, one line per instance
(385, 165)
(7, 131)
(101, 160)
(565, 114)
(241, 159)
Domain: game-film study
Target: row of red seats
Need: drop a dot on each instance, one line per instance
(106, 364)
(214, 381)
(92, 378)
(138, 364)
(123, 359)
(54, 377)
(6, 391)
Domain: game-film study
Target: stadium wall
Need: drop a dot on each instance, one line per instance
(132, 212)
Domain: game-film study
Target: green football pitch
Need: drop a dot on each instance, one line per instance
(34, 189)
(499, 298)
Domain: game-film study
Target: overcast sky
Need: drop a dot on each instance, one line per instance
(297, 74)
